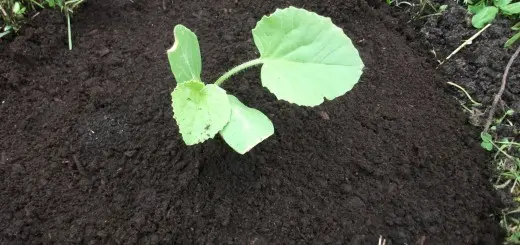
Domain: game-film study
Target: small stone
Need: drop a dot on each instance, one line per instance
(324, 115)
(180, 165)
(130, 153)
(107, 153)
(103, 51)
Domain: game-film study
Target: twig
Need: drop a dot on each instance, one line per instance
(501, 91)
(465, 43)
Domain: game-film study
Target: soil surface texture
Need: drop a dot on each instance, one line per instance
(478, 67)
(90, 153)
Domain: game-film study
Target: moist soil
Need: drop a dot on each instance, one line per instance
(90, 153)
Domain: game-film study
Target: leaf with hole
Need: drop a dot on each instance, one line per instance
(484, 17)
(306, 58)
(246, 128)
(184, 55)
(200, 110)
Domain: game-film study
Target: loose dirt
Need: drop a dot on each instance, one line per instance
(92, 155)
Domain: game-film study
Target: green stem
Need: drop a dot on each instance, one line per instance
(36, 3)
(68, 29)
(73, 3)
(237, 69)
(502, 151)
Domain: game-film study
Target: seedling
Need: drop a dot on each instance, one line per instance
(304, 57)
(67, 7)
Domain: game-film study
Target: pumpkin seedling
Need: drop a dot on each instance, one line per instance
(304, 57)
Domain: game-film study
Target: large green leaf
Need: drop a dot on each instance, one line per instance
(501, 3)
(305, 57)
(201, 111)
(184, 55)
(246, 128)
(484, 16)
(511, 9)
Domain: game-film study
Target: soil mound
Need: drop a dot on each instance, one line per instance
(90, 152)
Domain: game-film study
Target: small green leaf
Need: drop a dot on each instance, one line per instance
(51, 3)
(16, 7)
(486, 141)
(201, 111)
(516, 27)
(246, 128)
(511, 9)
(484, 16)
(443, 8)
(512, 40)
(305, 57)
(2, 34)
(501, 3)
(486, 145)
(486, 137)
(184, 55)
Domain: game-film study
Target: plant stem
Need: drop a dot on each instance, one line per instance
(36, 3)
(465, 92)
(237, 69)
(68, 30)
(68, 9)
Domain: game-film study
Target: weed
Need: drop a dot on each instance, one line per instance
(505, 158)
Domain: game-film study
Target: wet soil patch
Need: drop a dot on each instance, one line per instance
(90, 153)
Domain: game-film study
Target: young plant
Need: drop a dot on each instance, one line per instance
(67, 7)
(304, 57)
(14, 18)
(484, 12)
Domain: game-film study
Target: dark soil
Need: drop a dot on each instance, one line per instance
(90, 153)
